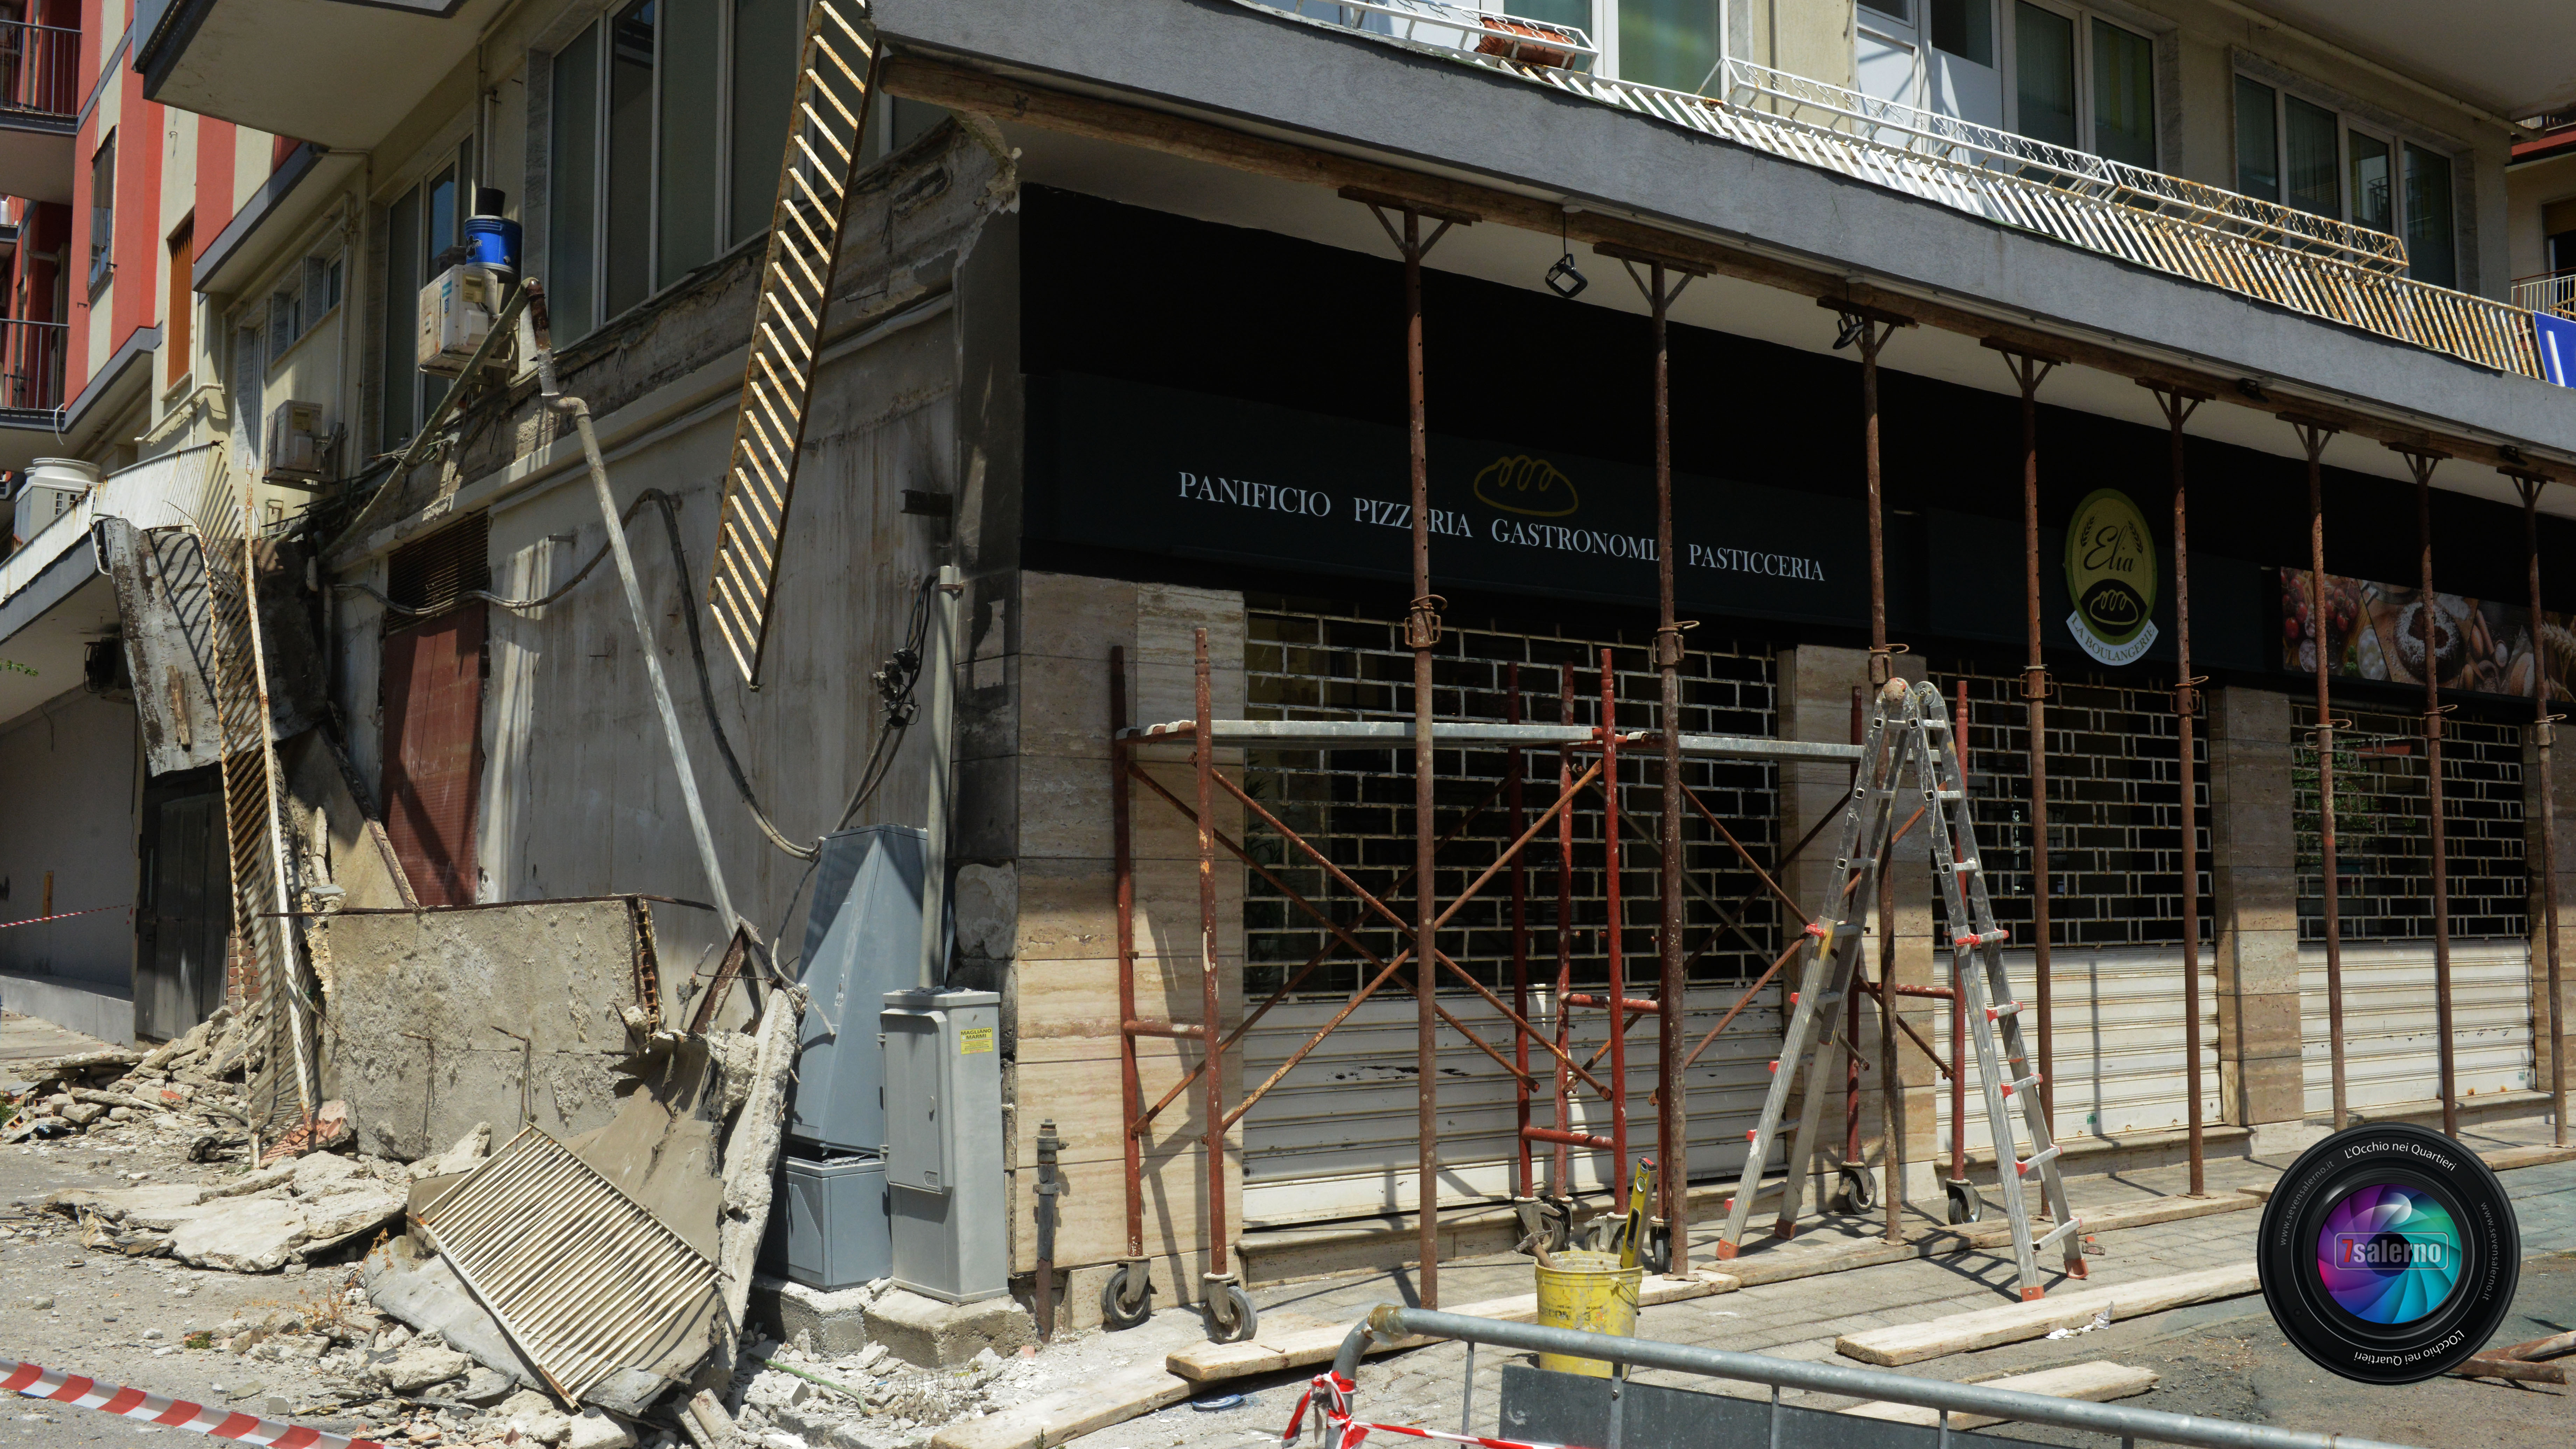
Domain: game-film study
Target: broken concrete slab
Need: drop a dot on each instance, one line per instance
(485, 1387)
(322, 1170)
(260, 1180)
(417, 1365)
(462, 1158)
(444, 1019)
(592, 1429)
(424, 1292)
(943, 1335)
(838, 1322)
(344, 1215)
(254, 1236)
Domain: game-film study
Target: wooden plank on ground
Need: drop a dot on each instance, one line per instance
(2097, 1382)
(2112, 1220)
(1043, 1423)
(1780, 1265)
(2012, 1323)
(2505, 1159)
(1287, 1341)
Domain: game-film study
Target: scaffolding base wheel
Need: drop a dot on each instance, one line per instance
(1655, 1255)
(1965, 1205)
(1860, 1190)
(1127, 1299)
(1231, 1316)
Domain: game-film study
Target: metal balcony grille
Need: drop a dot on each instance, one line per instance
(2383, 866)
(2308, 264)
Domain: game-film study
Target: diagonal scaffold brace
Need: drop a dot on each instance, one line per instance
(1908, 746)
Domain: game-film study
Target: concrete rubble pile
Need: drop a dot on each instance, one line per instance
(187, 1090)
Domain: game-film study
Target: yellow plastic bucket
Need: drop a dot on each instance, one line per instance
(1591, 1293)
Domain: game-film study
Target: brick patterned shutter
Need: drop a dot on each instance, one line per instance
(433, 692)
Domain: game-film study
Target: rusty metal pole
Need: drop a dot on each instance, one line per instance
(1422, 631)
(2422, 462)
(1527, 1185)
(2029, 370)
(2313, 436)
(2544, 726)
(1122, 865)
(1672, 1121)
(1564, 1164)
(1211, 1028)
(2178, 405)
(1612, 859)
(1958, 996)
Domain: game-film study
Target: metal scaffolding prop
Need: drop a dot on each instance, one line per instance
(1909, 732)
(2178, 404)
(2421, 462)
(2313, 437)
(2544, 735)
(835, 81)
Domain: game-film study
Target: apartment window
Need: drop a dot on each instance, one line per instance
(303, 299)
(2055, 73)
(2558, 235)
(2295, 151)
(248, 377)
(668, 120)
(1672, 43)
(424, 232)
(102, 212)
(180, 304)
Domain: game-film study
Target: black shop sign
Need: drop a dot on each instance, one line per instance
(1128, 466)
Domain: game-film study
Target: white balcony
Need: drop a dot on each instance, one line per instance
(2291, 258)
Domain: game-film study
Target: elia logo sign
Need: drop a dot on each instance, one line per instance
(2111, 576)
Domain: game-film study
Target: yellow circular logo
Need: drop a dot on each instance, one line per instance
(2111, 567)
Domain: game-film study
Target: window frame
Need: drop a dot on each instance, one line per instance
(102, 213)
(454, 160)
(720, 202)
(2347, 123)
(2007, 35)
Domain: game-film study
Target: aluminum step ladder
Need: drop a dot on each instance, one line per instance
(1910, 734)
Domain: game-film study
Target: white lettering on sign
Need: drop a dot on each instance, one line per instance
(1270, 497)
(1400, 515)
(1754, 561)
(1572, 540)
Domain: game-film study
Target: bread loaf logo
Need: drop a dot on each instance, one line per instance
(1532, 487)
(2111, 575)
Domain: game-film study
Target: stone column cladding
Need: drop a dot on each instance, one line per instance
(2563, 767)
(1062, 927)
(2254, 867)
(1815, 704)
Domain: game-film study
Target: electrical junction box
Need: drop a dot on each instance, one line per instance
(943, 1153)
(298, 443)
(456, 312)
(827, 1223)
(862, 940)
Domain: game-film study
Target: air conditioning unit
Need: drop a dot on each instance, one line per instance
(456, 311)
(52, 488)
(298, 443)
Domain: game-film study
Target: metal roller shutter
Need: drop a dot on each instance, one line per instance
(2119, 1048)
(2392, 1056)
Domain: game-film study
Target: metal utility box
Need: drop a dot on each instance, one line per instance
(862, 940)
(828, 1227)
(943, 1086)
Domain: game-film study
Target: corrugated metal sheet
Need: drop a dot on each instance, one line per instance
(2118, 1048)
(1336, 1139)
(2391, 1053)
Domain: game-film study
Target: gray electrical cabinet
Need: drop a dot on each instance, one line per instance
(862, 940)
(943, 1144)
(828, 1225)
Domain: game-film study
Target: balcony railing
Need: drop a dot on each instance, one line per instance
(31, 366)
(39, 70)
(2307, 263)
(2553, 292)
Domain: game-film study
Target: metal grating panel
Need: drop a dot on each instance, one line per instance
(584, 1279)
(835, 79)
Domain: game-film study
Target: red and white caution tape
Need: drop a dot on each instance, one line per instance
(61, 916)
(38, 1382)
(1343, 1430)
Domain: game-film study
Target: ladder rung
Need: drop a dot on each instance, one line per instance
(1965, 866)
(2011, 1087)
(1987, 938)
(2062, 1230)
(2049, 1153)
(1998, 1013)
(1827, 998)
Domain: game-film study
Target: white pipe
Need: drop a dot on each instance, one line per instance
(942, 666)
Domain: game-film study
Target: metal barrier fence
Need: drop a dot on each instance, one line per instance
(31, 364)
(39, 69)
(2549, 292)
(2310, 264)
(1392, 1322)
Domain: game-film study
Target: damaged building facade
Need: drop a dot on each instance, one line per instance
(1119, 330)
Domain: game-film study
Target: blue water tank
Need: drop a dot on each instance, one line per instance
(493, 241)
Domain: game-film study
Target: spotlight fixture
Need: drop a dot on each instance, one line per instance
(1564, 280)
(2252, 387)
(1853, 325)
